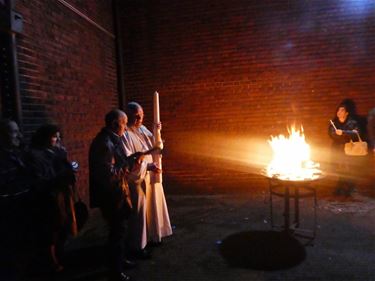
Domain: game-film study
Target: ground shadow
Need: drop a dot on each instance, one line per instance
(86, 257)
(262, 250)
(83, 264)
(86, 263)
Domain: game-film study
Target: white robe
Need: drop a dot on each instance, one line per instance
(157, 217)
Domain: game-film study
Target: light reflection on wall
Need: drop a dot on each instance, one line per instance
(358, 7)
(241, 154)
(228, 151)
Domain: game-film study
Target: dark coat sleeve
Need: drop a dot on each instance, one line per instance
(106, 171)
(347, 129)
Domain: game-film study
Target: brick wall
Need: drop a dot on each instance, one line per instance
(67, 71)
(231, 73)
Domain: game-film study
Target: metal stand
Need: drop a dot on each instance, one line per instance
(296, 190)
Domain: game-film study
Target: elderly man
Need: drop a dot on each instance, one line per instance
(109, 190)
(15, 194)
(150, 221)
(12, 181)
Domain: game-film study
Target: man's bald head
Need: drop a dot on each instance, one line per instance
(116, 120)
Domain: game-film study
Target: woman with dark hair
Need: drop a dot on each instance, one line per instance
(55, 178)
(342, 129)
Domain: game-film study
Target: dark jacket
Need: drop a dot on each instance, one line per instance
(347, 127)
(54, 179)
(51, 169)
(14, 177)
(107, 168)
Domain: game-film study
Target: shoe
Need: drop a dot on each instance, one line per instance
(141, 254)
(124, 277)
(129, 264)
(120, 277)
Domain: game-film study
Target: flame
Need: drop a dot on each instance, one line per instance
(291, 158)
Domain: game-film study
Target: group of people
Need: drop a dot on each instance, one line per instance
(37, 186)
(347, 126)
(124, 185)
(37, 189)
(38, 192)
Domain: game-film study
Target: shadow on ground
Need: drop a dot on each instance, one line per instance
(262, 250)
(84, 264)
(90, 261)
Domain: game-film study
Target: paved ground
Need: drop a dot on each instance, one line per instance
(227, 237)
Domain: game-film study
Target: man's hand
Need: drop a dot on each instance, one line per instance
(154, 168)
(139, 157)
(135, 160)
(157, 126)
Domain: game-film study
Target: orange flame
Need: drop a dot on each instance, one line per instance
(291, 158)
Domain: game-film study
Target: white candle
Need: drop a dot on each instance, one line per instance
(156, 108)
(157, 136)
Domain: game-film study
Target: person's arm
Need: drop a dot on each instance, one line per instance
(351, 129)
(103, 168)
(334, 133)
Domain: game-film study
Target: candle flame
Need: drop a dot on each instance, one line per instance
(291, 158)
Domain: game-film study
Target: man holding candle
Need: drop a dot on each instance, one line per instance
(144, 224)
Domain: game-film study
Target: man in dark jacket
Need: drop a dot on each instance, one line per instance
(15, 197)
(109, 191)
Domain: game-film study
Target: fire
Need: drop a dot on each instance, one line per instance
(291, 158)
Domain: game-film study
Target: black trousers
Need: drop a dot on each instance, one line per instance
(117, 222)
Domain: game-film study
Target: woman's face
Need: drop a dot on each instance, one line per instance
(342, 114)
(55, 139)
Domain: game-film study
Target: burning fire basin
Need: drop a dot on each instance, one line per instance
(291, 158)
(290, 174)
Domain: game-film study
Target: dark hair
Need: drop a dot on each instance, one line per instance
(42, 136)
(349, 106)
(113, 115)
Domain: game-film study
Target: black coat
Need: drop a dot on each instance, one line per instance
(347, 127)
(107, 168)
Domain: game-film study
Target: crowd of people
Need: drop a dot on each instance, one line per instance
(36, 195)
(37, 186)
(37, 192)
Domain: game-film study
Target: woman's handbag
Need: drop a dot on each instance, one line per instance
(82, 213)
(356, 148)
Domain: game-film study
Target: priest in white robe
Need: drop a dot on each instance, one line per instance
(152, 222)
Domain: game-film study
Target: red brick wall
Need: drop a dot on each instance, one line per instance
(67, 71)
(230, 73)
